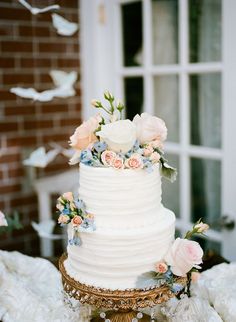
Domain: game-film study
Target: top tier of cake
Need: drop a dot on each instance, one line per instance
(121, 199)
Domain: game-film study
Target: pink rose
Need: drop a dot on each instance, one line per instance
(157, 144)
(76, 221)
(68, 196)
(134, 162)
(155, 157)
(183, 255)
(147, 151)
(161, 267)
(63, 219)
(3, 221)
(84, 134)
(108, 157)
(150, 128)
(118, 163)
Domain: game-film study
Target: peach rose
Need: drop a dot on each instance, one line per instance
(68, 196)
(118, 163)
(157, 144)
(60, 207)
(84, 134)
(76, 221)
(183, 255)
(147, 151)
(108, 157)
(161, 267)
(63, 219)
(3, 221)
(150, 128)
(155, 157)
(134, 162)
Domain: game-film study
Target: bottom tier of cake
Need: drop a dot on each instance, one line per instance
(113, 259)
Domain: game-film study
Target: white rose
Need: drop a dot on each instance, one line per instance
(150, 128)
(120, 136)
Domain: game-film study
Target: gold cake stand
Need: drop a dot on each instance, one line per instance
(123, 304)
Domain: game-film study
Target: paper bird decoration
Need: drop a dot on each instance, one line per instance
(36, 11)
(45, 229)
(63, 26)
(63, 81)
(66, 152)
(40, 159)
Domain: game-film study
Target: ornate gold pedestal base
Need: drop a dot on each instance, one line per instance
(123, 303)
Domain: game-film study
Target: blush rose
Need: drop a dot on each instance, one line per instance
(134, 162)
(150, 128)
(108, 157)
(84, 134)
(183, 255)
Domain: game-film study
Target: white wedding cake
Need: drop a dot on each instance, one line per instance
(118, 228)
(133, 229)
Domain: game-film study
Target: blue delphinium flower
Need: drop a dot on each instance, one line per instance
(80, 204)
(86, 157)
(75, 240)
(176, 288)
(136, 146)
(66, 211)
(148, 166)
(168, 274)
(100, 146)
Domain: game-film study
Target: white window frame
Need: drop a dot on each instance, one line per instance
(101, 62)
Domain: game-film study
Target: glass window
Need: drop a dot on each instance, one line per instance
(204, 30)
(133, 88)
(205, 105)
(166, 103)
(132, 33)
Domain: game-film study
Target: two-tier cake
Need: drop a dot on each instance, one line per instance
(117, 226)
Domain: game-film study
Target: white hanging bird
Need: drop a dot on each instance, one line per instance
(45, 229)
(63, 26)
(63, 82)
(40, 159)
(66, 152)
(36, 11)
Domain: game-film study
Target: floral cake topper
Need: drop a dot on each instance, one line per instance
(72, 210)
(106, 140)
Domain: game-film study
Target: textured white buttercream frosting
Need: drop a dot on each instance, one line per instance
(134, 230)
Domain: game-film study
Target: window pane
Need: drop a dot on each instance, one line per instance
(165, 31)
(205, 101)
(170, 191)
(206, 190)
(204, 30)
(166, 99)
(132, 33)
(133, 88)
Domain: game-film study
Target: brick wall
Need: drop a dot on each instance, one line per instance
(29, 49)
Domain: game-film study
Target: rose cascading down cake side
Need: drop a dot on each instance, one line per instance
(120, 235)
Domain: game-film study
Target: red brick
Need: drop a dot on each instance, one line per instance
(8, 62)
(13, 14)
(45, 78)
(15, 173)
(70, 122)
(19, 46)
(22, 141)
(51, 108)
(52, 47)
(8, 126)
(38, 124)
(20, 110)
(35, 62)
(33, 31)
(5, 95)
(8, 158)
(10, 79)
(24, 200)
(6, 30)
(10, 188)
(55, 138)
(66, 62)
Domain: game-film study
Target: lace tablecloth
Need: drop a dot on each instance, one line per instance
(31, 291)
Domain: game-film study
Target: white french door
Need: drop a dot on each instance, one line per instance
(175, 59)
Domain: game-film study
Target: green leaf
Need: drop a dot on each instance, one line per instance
(168, 172)
(149, 279)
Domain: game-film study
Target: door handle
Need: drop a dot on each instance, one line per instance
(226, 222)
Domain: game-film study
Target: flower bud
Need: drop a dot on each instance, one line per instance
(96, 103)
(108, 96)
